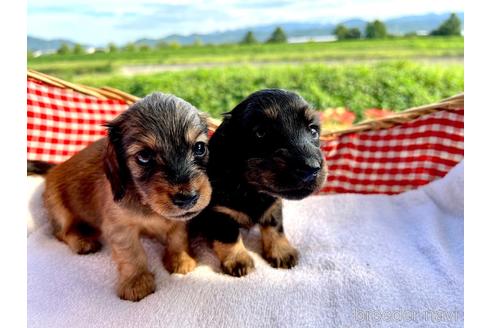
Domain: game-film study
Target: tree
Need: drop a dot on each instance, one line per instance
(78, 49)
(376, 30)
(174, 44)
(64, 49)
(451, 26)
(249, 38)
(161, 45)
(278, 36)
(130, 47)
(144, 48)
(112, 47)
(354, 33)
(343, 33)
(197, 42)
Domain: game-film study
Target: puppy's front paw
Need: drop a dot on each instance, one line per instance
(282, 255)
(137, 287)
(82, 245)
(238, 265)
(179, 263)
(88, 246)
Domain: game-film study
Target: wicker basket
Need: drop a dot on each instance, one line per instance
(453, 103)
(352, 141)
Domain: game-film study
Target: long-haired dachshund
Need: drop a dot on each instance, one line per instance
(267, 148)
(146, 178)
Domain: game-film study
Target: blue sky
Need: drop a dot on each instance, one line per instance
(98, 22)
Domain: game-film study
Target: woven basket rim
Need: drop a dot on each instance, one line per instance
(455, 102)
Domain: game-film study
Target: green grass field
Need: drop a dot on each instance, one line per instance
(67, 66)
(332, 74)
(389, 85)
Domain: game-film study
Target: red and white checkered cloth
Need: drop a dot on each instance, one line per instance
(61, 122)
(397, 159)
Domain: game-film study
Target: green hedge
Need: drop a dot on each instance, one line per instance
(389, 85)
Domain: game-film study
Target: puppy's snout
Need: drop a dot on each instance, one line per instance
(186, 200)
(309, 173)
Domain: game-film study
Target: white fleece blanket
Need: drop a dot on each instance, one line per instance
(366, 261)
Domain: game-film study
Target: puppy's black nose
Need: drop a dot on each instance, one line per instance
(309, 173)
(186, 200)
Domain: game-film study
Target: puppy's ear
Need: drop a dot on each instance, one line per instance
(225, 127)
(227, 115)
(114, 162)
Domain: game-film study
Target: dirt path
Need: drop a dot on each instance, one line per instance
(129, 70)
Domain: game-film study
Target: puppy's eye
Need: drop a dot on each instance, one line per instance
(314, 130)
(199, 149)
(144, 157)
(260, 133)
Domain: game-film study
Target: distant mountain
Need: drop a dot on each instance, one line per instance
(34, 44)
(355, 23)
(427, 22)
(261, 32)
(399, 25)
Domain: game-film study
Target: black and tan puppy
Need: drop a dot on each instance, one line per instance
(266, 149)
(146, 178)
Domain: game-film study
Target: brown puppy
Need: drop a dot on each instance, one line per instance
(267, 148)
(146, 178)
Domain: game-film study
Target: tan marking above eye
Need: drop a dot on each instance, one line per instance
(311, 116)
(271, 112)
(149, 140)
(134, 149)
(196, 135)
(143, 141)
(202, 138)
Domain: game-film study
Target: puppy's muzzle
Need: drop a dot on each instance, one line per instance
(186, 200)
(309, 173)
